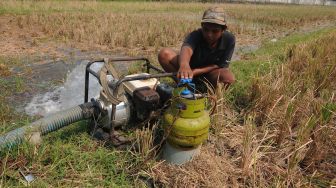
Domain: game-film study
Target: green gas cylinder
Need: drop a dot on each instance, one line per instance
(186, 121)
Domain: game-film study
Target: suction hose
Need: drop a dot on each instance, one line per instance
(48, 124)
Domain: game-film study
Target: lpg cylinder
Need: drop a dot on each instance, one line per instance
(186, 123)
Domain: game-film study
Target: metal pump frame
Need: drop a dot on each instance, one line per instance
(115, 87)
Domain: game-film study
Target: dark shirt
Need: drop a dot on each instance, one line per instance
(203, 55)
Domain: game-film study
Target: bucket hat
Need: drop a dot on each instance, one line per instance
(214, 15)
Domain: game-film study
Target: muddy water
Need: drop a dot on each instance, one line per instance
(59, 85)
(70, 94)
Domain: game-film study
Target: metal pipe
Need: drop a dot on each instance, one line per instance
(140, 77)
(87, 71)
(129, 59)
(150, 66)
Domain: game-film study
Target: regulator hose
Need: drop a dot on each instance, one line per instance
(48, 124)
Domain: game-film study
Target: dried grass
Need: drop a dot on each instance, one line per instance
(4, 70)
(151, 25)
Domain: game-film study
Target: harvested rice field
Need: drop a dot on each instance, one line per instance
(274, 127)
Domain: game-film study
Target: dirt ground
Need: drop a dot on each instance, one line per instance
(21, 41)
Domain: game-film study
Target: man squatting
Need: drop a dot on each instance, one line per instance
(206, 52)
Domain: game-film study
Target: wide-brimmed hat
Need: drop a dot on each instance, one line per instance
(214, 15)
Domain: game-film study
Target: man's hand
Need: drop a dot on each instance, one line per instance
(184, 59)
(185, 72)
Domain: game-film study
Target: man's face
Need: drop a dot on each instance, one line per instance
(211, 32)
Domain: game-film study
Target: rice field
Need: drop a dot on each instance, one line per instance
(140, 26)
(275, 127)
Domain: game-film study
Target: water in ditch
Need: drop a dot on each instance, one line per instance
(70, 94)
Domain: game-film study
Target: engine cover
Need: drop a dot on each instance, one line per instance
(133, 85)
(145, 100)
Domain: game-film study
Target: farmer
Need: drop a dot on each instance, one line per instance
(206, 52)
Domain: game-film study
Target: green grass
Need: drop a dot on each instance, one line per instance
(10, 85)
(67, 157)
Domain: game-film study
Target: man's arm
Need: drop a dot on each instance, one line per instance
(203, 70)
(184, 62)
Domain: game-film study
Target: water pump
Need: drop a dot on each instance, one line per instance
(131, 100)
(122, 101)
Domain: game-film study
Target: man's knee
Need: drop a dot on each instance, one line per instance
(228, 78)
(222, 75)
(165, 55)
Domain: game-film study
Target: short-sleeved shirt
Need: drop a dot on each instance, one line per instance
(203, 55)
